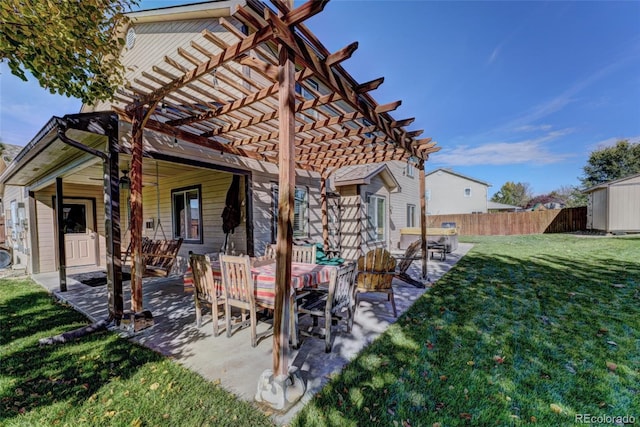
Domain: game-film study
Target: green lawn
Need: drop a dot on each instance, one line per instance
(524, 330)
(99, 380)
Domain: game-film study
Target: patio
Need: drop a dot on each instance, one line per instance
(232, 361)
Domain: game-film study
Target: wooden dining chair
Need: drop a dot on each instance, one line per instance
(239, 292)
(299, 253)
(333, 303)
(207, 290)
(305, 254)
(376, 270)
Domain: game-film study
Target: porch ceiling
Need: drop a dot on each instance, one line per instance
(224, 96)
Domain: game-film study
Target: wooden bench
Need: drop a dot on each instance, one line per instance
(158, 256)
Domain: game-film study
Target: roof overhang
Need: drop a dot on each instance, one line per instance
(204, 10)
(382, 170)
(48, 156)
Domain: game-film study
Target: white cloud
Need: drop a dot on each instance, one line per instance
(610, 142)
(531, 151)
(533, 128)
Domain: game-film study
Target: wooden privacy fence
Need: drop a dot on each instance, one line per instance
(508, 223)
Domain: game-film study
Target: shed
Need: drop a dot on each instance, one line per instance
(614, 206)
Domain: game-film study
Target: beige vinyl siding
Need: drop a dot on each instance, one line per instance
(155, 40)
(407, 194)
(47, 244)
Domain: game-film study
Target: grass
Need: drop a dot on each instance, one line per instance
(99, 380)
(525, 330)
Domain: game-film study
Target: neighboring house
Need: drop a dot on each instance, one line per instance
(376, 201)
(501, 207)
(614, 207)
(449, 192)
(188, 168)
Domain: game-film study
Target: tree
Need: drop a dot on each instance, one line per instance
(71, 47)
(512, 193)
(571, 195)
(611, 163)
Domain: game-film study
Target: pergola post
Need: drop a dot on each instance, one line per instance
(286, 189)
(62, 257)
(278, 388)
(111, 173)
(423, 220)
(137, 127)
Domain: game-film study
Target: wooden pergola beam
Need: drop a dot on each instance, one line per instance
(369, 86)
(387, 107)
(232, 52)
(341, 55)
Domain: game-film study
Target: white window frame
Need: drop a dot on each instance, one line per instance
(306, 94)
(300, 211)
(411, 215)
(467, 192)
(187, 216)
(411, 170)
(376, 226)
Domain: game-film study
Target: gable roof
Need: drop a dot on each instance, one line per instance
(613, 182)
(451, 172)
(363, 174)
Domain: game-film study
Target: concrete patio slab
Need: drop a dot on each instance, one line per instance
(232, 361)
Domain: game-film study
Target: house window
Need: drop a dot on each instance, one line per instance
(300, 212)
(306, 94)
(377, 218)
(427, 195)
(411, 170)
(467, 192)
(411, 215)
(186, 206)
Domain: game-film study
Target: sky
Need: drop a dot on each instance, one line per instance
(511, 91)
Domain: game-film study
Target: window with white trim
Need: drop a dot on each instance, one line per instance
(376, 218)
(467, 192)
(307, 94)
(411, 215)
(186, 210)
(411, 170)
(300, 212)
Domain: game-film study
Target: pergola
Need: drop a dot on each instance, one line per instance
(241, 98)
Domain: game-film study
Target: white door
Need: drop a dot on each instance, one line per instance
(80, 237)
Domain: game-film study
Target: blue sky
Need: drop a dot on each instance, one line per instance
(511, 91)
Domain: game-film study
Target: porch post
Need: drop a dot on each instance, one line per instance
(325, 212)
(111, 173)
(136, 210)
(62, 257)
(286, 188)
(423, 220)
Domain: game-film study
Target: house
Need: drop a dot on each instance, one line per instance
(614, 206)
(501, 207)
(450, 192)
(204, 80)
(376, 201)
